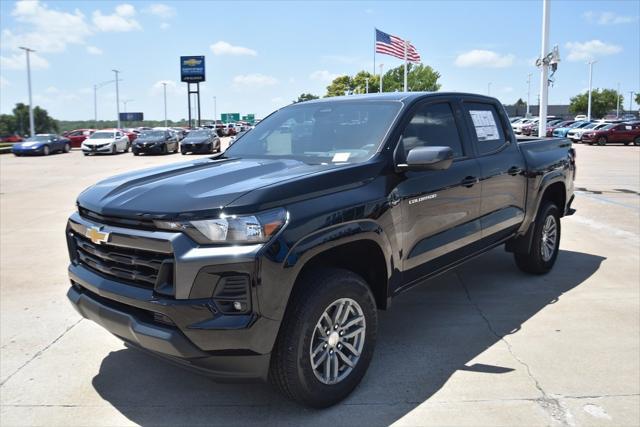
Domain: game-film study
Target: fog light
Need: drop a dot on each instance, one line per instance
(238, 306)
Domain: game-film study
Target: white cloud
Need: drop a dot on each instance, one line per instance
(484, 58)
(93, 50)
(323, 76)
(4, 82)
(590, 50)
(224, 48)
(52, 90)
(18, 61)
(161, 10)
(45, 30)
(608, 18)
(121, 21)
(165, 26)
(255, 80)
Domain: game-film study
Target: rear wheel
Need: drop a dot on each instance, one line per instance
(545, 242)
(66, 148)
(326, 340)
(602, 141)
(46, 151)
(114, 149)
(636, 141)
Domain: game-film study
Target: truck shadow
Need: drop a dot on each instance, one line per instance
(428, 335)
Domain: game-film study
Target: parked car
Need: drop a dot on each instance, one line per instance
(232, 129)
(614, 132)
(221, 129)
(532, 128)
(575, 135)
(106, 142)
(156, 141)
(11, 138)
(560, 124)
(517, 126)
(562, 132)
(42, 144)
(265, 263)
(77, 136)
(580, 118)
(200, 141)
(236, 136)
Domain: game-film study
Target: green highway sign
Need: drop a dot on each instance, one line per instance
(230, 117)
(250, 118)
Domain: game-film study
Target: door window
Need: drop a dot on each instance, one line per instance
(432, 125)
(487, 126)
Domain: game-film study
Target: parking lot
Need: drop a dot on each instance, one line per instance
(482, 345)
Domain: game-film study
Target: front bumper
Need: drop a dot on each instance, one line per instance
(196, 148)
(187, 326)
(96, 149)
(27, 151)
(149, 148)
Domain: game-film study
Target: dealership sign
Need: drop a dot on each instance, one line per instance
(131, 117)
(192, 69)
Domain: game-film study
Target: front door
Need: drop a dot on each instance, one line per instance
(440, 208)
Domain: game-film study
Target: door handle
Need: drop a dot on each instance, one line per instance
(514, 170)
(469, 181)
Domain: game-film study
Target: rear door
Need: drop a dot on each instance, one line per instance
(439, 208)
(502, 169)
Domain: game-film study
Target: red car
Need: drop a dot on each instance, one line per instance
(624, 133)
(11, 138)
(130, 134)
(77, 136)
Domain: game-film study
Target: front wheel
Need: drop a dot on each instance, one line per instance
(636, 141)
(46, 151)
(545, 242)
(602, 141)
(326, 340)
(66, 148)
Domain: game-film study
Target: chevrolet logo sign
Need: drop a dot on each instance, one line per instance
(192, 62)
(97, 236)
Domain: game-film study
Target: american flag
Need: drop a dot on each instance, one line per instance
(394, 46)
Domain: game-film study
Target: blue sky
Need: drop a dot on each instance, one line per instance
(261, 55)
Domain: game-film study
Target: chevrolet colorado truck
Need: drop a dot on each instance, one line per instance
(270, 260)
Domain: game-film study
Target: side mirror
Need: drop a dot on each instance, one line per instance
(428, 158)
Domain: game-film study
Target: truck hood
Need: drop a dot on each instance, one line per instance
(186, 190)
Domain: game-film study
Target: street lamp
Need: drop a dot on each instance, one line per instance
(528, 95)
(125, 102)
(32, 127)
(631, 100)
(590, 83)
(164, 89)
(117, 97)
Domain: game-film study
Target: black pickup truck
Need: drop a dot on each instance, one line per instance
(270, 260)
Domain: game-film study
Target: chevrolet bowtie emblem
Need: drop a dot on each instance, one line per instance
(97, 236)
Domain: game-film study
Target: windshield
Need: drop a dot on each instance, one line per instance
(607, 127)
(38, 138)
(198, 133)
(591, 125)
(153, 134)
(340, 131)
(578, 125)
(102, 135)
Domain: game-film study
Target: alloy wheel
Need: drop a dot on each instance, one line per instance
(549, 238)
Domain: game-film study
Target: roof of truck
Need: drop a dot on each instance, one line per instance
(396, 96)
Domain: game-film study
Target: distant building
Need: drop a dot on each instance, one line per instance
(552, 110)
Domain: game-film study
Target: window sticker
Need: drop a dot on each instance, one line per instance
(485, 125)
(340, 157)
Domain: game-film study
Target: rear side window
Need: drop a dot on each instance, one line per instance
(432, 125)
(487, 127)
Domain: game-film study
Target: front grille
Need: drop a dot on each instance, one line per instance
(134, 266)
(141, 223)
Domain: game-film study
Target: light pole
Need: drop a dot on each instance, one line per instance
(631, 100)
(544, 71)
(215, 111)
(32, 127)
(381, 67)
(366, 85)
(528, 95)
(164, 89)
(117, 97)
(590, 82)
(618, 103)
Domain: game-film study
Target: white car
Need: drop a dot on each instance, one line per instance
(517, 125)
(576, 134)
(580, 117)
(106, 142)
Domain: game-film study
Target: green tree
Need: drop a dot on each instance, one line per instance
(42, 121)
(359, 82)
(305, 97)
(8, 124)
(521, 107)
(602, 102)
(339, 86)
(419, 78)
(637, 99)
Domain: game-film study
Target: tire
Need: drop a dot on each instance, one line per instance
(85, 154)
(636, 141)
(546, 227)
(66, 148)
(291, 369)
(184, 153)
(46, 151)
(114, 149)
(602, 141)
(165, 149)
(126, 148)
(175, 150)
(135, 153)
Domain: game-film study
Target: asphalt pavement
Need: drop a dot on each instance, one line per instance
(482, 345)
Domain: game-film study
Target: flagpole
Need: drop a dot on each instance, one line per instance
(406, 43)
(375, 39)
(381, 65)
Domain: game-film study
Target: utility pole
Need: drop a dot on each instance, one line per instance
(366, 84)
(381, 67)
(618, 103)
(215, 111)
(117, 96)
(125, 102)
(544, 72)
(528, 95)
(164, 89)
(631, 100)
(32, 127)
(590, 84)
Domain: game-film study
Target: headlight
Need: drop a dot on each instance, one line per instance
(231, 228)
